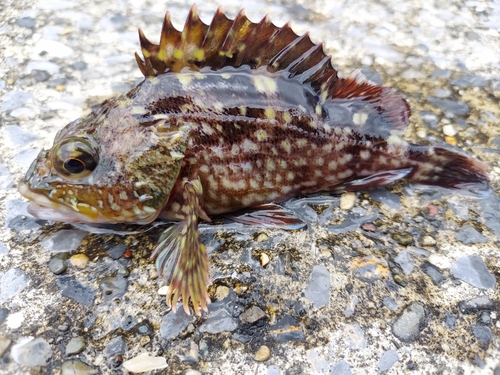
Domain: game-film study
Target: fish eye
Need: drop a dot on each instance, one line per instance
(75, 158)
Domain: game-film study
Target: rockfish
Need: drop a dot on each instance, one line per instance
(230, 116)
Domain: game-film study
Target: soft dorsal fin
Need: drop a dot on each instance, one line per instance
(241, 42)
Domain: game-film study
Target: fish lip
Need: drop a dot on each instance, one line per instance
(43, 208)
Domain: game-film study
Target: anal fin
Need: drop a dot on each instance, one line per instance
(268, 215)
(376, 179)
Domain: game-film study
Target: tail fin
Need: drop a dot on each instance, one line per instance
(442, 167)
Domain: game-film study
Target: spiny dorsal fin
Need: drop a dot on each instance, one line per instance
(228, 42)
(241, 42)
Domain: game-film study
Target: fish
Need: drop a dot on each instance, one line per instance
(232, 118)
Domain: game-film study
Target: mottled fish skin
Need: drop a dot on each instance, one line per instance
(215, 128)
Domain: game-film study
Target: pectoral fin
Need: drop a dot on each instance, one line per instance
(180, 257)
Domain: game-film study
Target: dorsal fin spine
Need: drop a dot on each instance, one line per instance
(240, 42)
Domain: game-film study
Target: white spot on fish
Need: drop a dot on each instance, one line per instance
(286, 145)
(261, 135)
(359, 118)
(345, 159)
(364, 154)
(270, 165)
(270, 113)
(218, 106)
(301, 142)
(327, 148)
(184, 79)
(254, 184)
(235, 150)
(264, 84)
(249, 146)
(345, 174)
(396, 141)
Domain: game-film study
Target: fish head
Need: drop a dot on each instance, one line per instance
(108, 167)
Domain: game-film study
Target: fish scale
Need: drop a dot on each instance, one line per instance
(231, 118)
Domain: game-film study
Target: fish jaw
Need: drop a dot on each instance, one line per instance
(43, 208)
(46, 209)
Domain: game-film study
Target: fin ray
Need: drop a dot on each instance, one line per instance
(181, 259)
(240, 42)
(268, 215)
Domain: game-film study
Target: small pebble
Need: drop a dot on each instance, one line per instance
(449, 130)
(262, 237)
(318, 288)
(63, 327)
(390, 303)
(440, 261)
(27, 22)
(450, 140)
(450, 320)
(75, 346)
(468, 235)
(4, 344)
(263, 354)
(410, 323)
(79, 65)
(474, 305)
(123, 271)
(432, 271)
(75, 367)
(219, 321)
(369, 227)
(113, 287)
(117, 251)
(347, 200)
(421, 133)
(144, 340)
(221, 292)
(144, 362)
(473, 270)
(428, 241)
(191, 371)
(174, 323)
(4, 313)
(163, 291)
(483, 334)
(74, 289)
(403, 238)
(57, 264)
(387, 359)
(31, 352)
(432, 209)
(240, 288)
(116, 346)
(252, 315)
(264, 259)
(79, 261)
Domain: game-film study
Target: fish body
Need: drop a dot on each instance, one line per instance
(218, 127)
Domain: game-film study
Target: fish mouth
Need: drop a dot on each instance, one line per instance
(43, 208)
